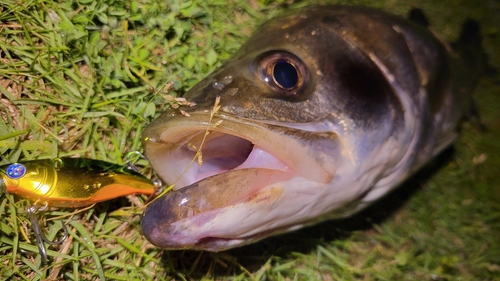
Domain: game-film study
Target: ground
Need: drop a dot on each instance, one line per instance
(83, 78)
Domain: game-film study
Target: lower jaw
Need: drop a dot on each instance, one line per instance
(206, 209)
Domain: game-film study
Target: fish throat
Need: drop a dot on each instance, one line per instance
(219, 153)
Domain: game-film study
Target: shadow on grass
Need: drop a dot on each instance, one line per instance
(195, 264)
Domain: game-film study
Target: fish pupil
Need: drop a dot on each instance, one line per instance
(285, 75)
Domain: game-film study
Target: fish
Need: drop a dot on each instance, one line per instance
(320, 113)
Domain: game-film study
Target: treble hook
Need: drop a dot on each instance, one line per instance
(40, 237)
(128, 160)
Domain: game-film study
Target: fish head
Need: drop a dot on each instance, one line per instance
(300, 109)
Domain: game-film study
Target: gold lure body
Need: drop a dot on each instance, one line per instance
(72, 182)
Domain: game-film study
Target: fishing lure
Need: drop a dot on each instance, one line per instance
(70, 183)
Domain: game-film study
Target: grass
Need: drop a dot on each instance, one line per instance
(83, 78)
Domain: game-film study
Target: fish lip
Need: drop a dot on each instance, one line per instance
(178, 239)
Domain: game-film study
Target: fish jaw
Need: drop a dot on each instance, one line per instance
(189, 219)
(247, 168)
(198, 216)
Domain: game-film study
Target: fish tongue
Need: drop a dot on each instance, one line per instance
(209, 194)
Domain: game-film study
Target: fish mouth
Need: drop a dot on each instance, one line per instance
(244, 164)
(207, 153)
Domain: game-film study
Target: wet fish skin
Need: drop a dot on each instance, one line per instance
(377, 97)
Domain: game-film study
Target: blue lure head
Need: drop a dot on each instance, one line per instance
(15, 171)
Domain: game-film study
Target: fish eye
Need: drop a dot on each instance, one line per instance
(283, 72)
(285, 75)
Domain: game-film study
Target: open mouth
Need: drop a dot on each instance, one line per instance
(234, 169)
(219, 153)
(244, 166)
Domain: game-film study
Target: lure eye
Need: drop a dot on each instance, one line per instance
(283, 72)
(16, 171)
